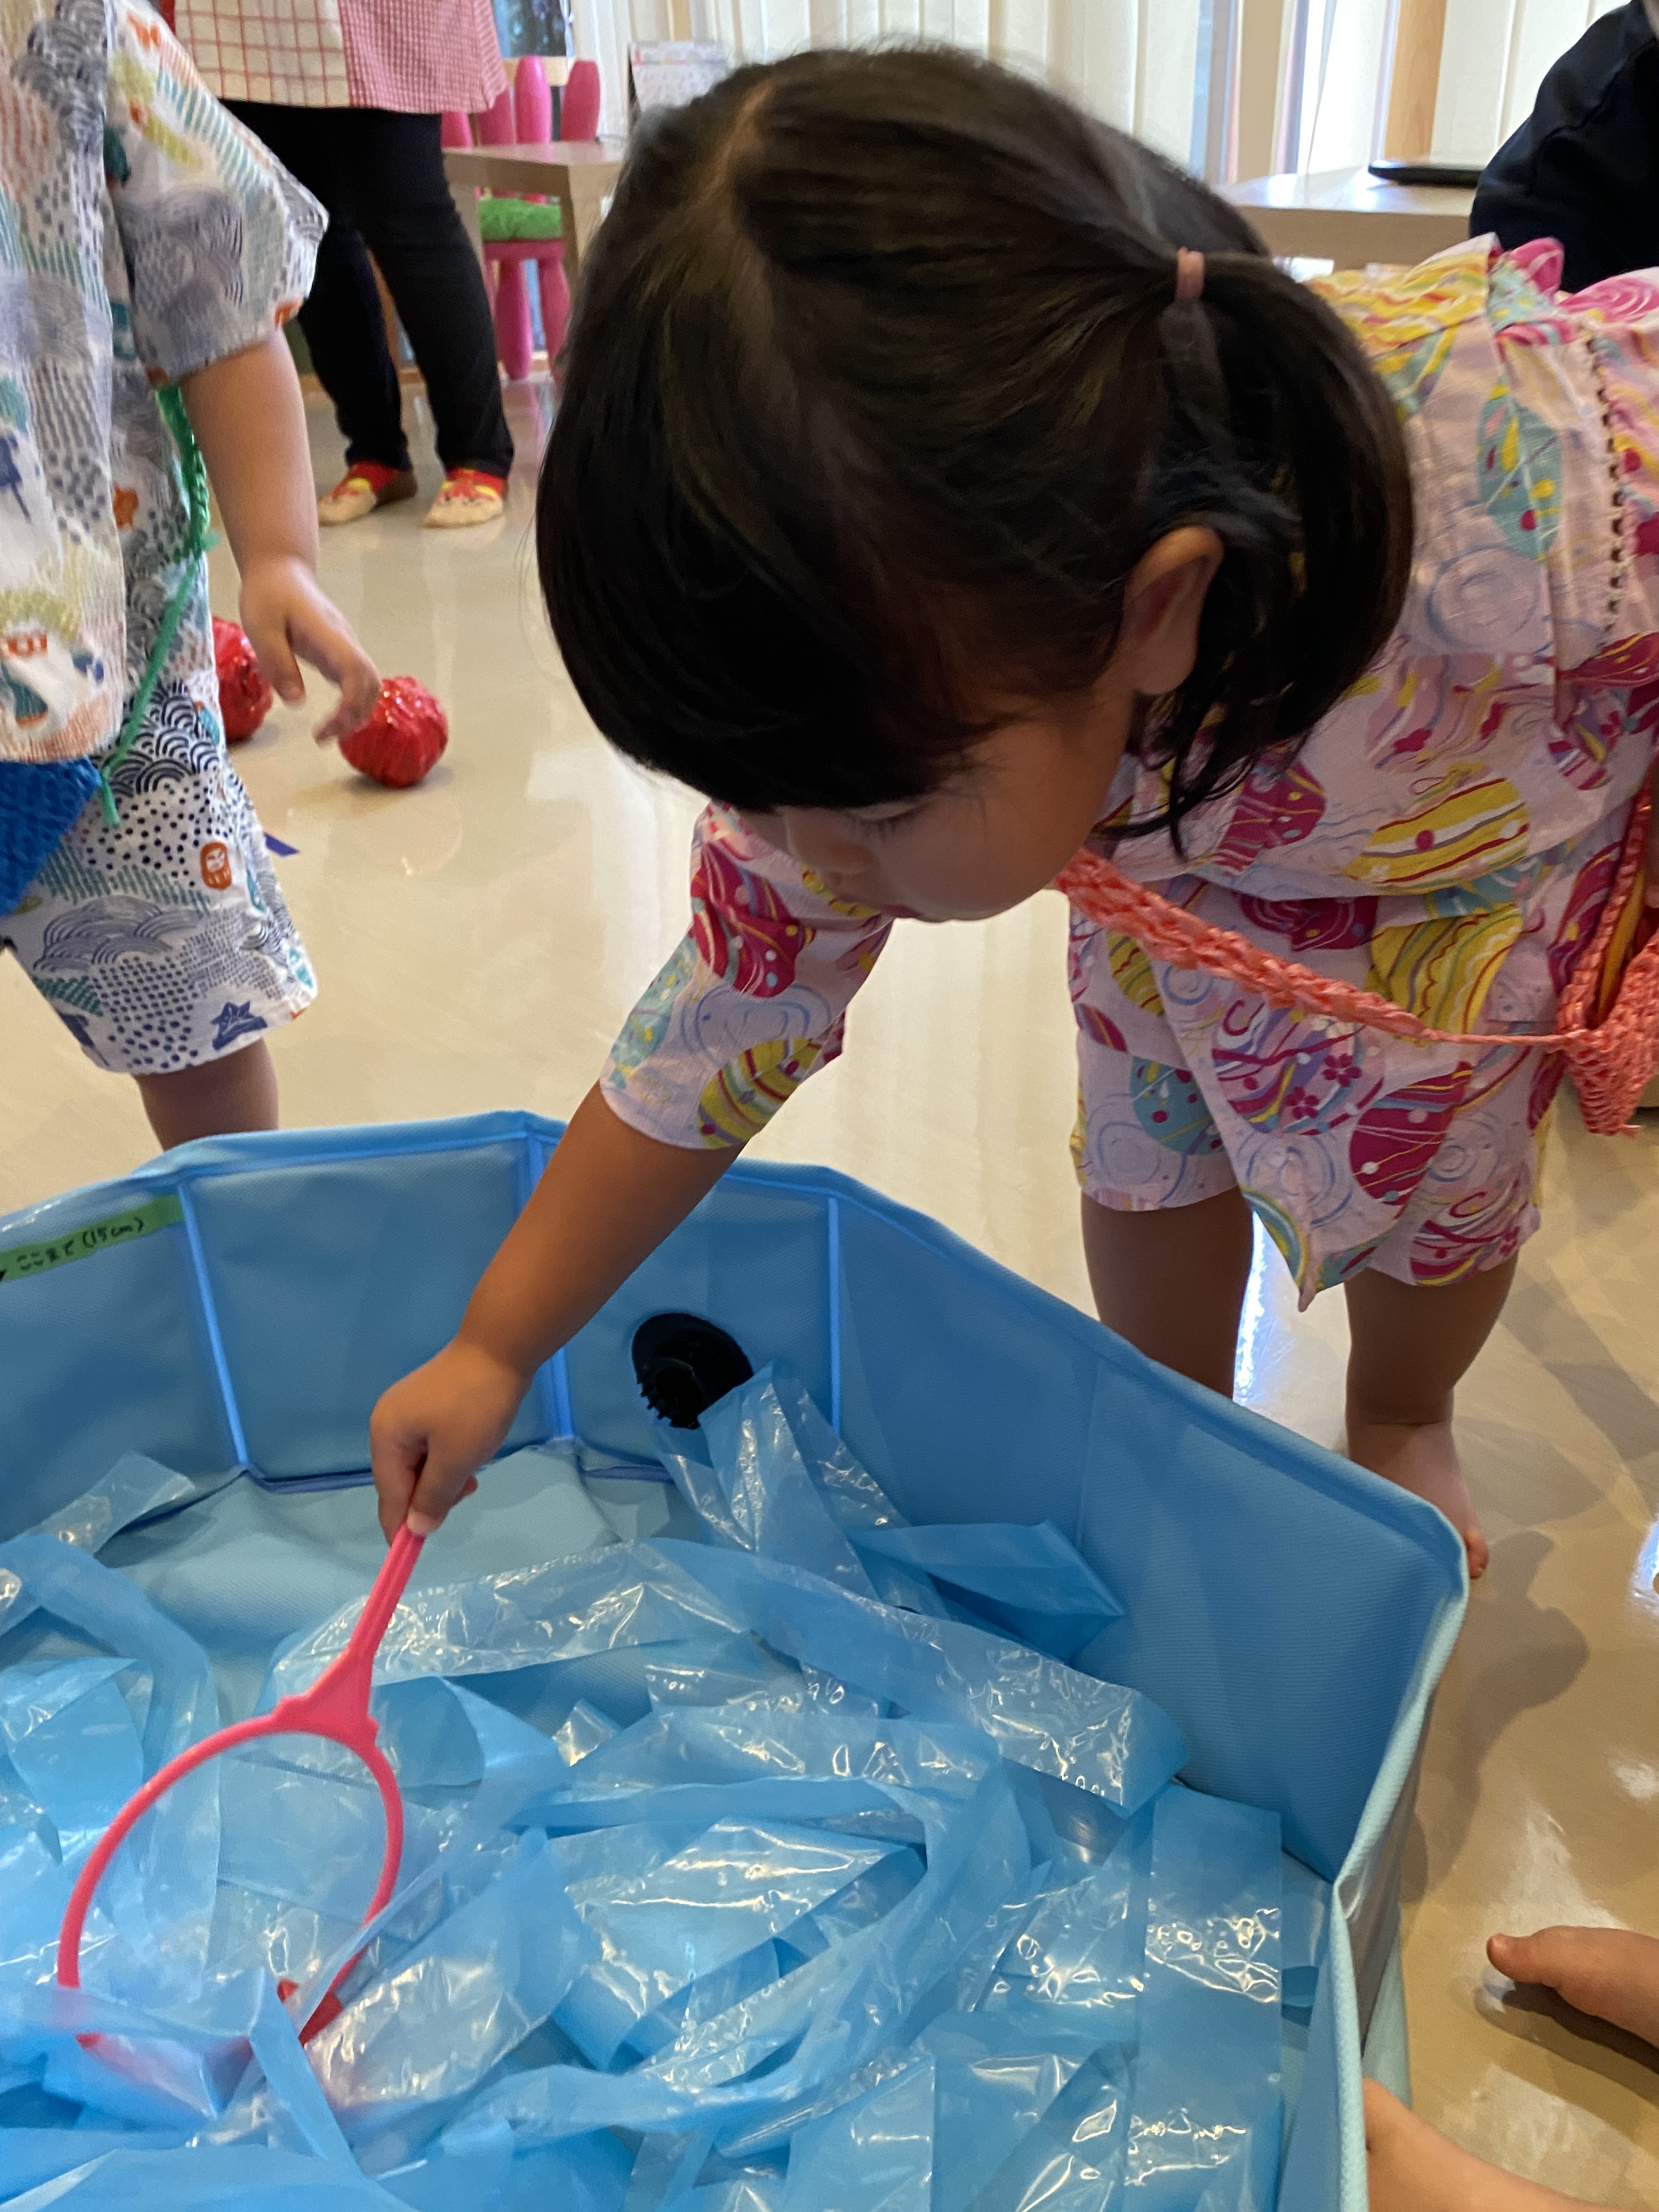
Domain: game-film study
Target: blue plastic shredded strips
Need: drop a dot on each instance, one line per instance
(792, 1870)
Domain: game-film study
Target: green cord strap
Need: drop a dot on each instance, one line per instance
(197, 539)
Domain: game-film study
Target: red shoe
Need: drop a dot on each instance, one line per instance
(363, 488)
(469, 497)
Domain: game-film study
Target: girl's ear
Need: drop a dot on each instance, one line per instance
(1162, 608)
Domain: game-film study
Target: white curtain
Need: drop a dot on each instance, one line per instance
(1495, 54)
(1143, 64)
(600, 31)
(1134, 61)
(1333, 73)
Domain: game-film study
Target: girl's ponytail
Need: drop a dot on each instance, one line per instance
(1272, 401)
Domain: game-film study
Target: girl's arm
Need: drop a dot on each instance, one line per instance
(752, 1001)
(608, 1199)
(249, 420)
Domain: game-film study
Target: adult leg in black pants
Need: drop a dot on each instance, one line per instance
(380, 176)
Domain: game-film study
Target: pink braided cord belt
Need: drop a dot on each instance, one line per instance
(1611, 1062)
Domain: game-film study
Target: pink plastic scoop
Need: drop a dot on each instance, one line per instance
(336, 1706)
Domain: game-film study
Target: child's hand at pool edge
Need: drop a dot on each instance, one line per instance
(1612, 1974)
(608, 1199)
(430, 1431)
(1410, 2167)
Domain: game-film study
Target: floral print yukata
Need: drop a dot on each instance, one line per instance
(1446, 836)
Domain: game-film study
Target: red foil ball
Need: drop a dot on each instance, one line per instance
(245, 697)
(403, 738)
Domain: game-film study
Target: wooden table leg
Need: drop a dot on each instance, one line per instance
(568, 230)
(583, 204)
(465, 197)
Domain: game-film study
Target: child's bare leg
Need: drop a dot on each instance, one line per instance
(1411, 2168)
(1172, 1281)
(1608, 1971)
(1412, 1344)
(238, 1092)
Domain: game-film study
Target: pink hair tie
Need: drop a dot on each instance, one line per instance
(1190, 273)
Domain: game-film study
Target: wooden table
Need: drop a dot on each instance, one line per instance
(1350, 217)
(580, 174)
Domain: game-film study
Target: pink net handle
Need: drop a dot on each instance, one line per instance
(336, 1706)
(1098, 891)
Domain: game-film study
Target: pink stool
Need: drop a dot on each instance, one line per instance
(523, 116)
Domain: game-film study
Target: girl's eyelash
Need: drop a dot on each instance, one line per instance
(882, 825)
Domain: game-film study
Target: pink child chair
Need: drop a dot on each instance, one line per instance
(521, 236)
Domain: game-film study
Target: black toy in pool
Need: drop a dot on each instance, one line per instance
(683, 1365)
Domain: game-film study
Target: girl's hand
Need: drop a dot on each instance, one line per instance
(290, 618)
(430, 1432)
(250, 422)
(607, 1198)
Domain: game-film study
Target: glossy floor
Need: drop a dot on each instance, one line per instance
(478, 940)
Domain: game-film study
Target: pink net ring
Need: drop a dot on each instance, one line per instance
(335, 1706)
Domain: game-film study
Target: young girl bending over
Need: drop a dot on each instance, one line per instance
(943, 481)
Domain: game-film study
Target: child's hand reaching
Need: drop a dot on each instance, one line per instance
(607, 1198)
(290, 618)
(250, 422)
(1411, 2168)
(429, 1432)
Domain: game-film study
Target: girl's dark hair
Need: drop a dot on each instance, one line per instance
(877, 389)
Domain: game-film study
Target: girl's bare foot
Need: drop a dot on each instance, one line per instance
(1610, 1972)
(1410, 1344)
(1413, 2169)
(1422, 1457)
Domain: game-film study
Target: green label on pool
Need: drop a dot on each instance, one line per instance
(95, 1236)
